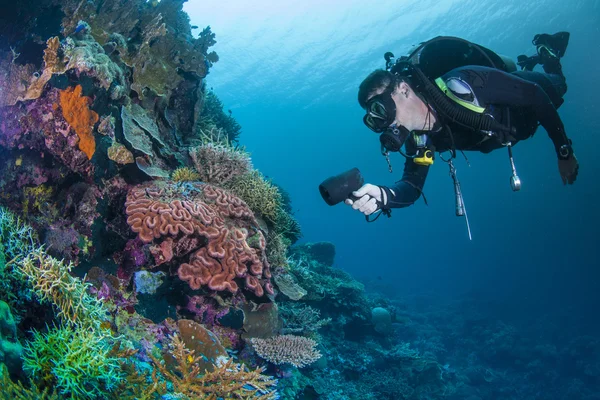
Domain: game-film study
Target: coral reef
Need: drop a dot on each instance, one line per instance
(209, 226)
(228, 380)
(77, 362)
(52, 281)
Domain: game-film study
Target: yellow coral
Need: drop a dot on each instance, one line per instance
(229, 380)
(185, 175)
(16, 391)
(259, 193)
(52, 281)
(36, 198)
(119, 154)
(51, 61)
(75, 109)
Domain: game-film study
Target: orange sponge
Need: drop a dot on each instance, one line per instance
(76, 111)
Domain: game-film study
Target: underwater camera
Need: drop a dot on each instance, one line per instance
(338, 188)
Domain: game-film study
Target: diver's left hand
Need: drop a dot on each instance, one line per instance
(568, 168)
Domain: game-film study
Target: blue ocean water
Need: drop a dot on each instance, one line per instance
(289, 71)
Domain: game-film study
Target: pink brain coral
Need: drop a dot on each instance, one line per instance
(208, 226)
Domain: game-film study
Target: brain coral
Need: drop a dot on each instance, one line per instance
(211, 232)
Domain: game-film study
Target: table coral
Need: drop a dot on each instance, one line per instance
(298, 351)
(211, 229)
(76, 111)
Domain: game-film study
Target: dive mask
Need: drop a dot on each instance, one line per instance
(381, 112)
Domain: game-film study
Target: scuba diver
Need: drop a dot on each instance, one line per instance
(450, 95)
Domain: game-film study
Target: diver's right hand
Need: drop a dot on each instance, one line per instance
(368, 199)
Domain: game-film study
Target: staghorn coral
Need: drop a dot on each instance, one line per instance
(209, 226)
(17, 240)
(52, 282)
(185, 174)
(218, 164)
(298, 351)
(77, 362)
(76, 111)
(228, 380)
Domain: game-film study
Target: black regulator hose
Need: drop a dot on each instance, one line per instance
(455, 112)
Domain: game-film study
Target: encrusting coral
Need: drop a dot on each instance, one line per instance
(76, 111)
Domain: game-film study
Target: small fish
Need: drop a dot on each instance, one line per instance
(80, 28)
(194, 26)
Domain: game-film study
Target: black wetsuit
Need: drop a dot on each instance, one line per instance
(522, 99)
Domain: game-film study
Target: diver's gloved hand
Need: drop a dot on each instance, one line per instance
(568, 168)
(370, 198)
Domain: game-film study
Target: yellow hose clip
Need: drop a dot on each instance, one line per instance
(424, 156)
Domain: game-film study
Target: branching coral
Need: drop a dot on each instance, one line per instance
(301, 319)
(52, 281)
(214, 118)
(76, 111)
(209, 223)
(17, 238)
(77, 362)
(298, 351)
(218, 164)
(259, 193)
(17, 391)
(228, 380)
